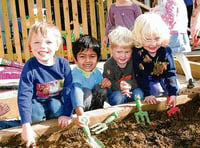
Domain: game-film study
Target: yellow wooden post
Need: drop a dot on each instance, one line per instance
(15, 29)
(58, 23)
(84, 16)
(48, 11)
(1, 44)
(67, 30)
(93, 18)
(7, 28)
(24, 29)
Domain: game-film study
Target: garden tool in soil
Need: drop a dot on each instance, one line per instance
(173, 110)
(92, 141)
(100, 127)
(140, 114)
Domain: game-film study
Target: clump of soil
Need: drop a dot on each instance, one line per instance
(161, 132)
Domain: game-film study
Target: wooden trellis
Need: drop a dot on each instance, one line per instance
(18, 15)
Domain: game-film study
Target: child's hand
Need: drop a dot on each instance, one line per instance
(172, 101)
(125, 88)
(28, 135)
(64, 121)
(105, 83)
(105, 40)
(150, 99)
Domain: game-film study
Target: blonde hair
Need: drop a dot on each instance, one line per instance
(121, 36)
(43, 28)
(150, 24)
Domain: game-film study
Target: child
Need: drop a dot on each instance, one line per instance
(174, 13)
(45, 83)
(87, 93)
(121, 13)
(153, 62)
(195, 19)
(118, 70)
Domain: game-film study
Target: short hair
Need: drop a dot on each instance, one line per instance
(151, 24)
(121, 36)
(43, 28)
(86, 42)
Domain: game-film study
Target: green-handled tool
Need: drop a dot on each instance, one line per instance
(140, 114)
(92, 141)
(100, 127)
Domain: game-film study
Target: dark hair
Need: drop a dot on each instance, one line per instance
(85, 42)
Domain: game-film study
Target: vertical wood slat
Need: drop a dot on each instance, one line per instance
(31, 19)
(24, 29)
(58, 22)
(48, 11)
(75, 19)
(84, 16)
(39, 10)
(15, 29)
(102, 31)
(9, 54)
(67, 30)
(93, 18)
(1, 44)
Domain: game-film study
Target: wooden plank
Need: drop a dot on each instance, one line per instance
(195, 66)
(39, 10)
(15, 28)
(31, 19)
(1, 43)
(24, 29)
(75, 19)
(58, 23)
(93, 19)
(48, 10)
(7, 28)
(104, 51)
(96, 116)
(84, 16)
(67, 30)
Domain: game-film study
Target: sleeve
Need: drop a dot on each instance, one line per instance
(170, 75)
(67, 91)
(110, 74)
(137, 10)
(171, 12)
(110, 20)
(140, 75)
(25, 94)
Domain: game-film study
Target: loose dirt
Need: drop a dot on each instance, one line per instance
(161, 132)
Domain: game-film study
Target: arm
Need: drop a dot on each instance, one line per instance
(170, 74)
(65, 119)
(195, 19)
(110, 20)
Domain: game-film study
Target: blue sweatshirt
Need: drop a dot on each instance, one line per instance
(144, 64)
(41, 82)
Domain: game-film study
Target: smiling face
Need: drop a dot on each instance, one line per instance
(44, 47)
(121, 55)
(87, 59)
(151, 44)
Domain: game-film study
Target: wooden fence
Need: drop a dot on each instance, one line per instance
(73, 17)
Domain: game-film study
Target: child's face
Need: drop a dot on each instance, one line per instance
(87, 60)
(121, 55)
(151, 44)
(44, 48)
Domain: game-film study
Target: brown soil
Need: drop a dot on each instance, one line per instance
(161, 132)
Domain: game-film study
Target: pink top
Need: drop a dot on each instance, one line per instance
(122, 15)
